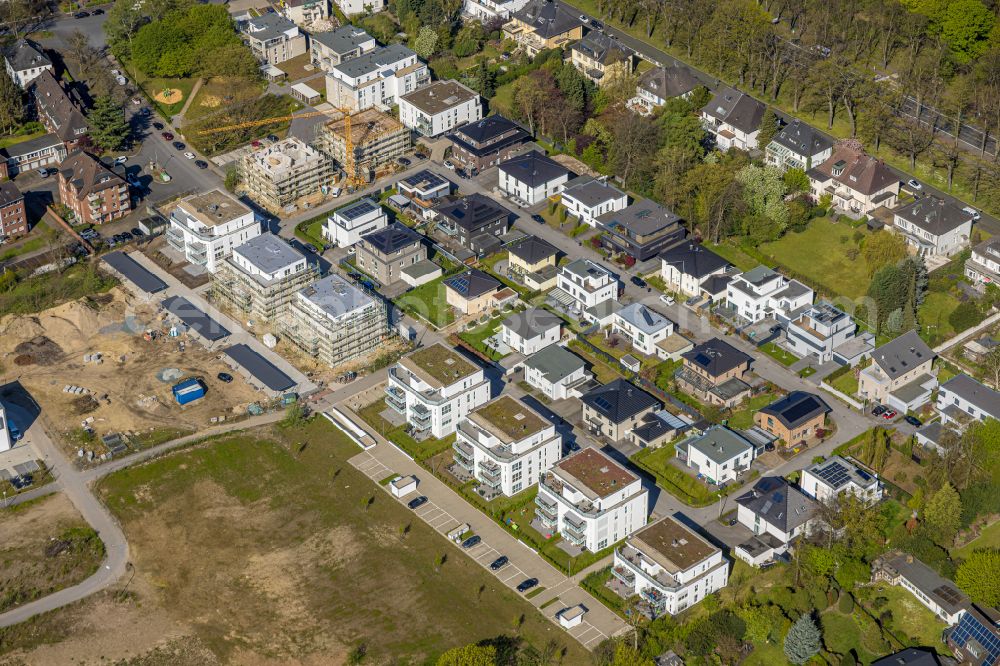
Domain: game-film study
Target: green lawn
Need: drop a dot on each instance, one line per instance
(847, 383)
(152, 86)
(988, 538)
(743, 417)
(911, 619)
(12, 140)
(418, 450)
(841, 634)
(429, 301)
(933, 315)
(477, 337)
(311, 230)
(603, 372)
(780, 355)
(39, 237)
(819, 254)
(734, 255)
(678, 483)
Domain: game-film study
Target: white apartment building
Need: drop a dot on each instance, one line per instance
(328, 49)
(506, 446)
(25, 61)
(983, 266)
(591, 500)
(347, 225)
(305, 12)
(829, 478)
(434, 388)
(489, 10)
(439, 107)
(718, 453)
(377, 79)
(734, 118)
(818, 331)
(273, 38)
(670, 566)
(206, 227)
(531, 331)
(587, 198)
(761, 293)
(589, 288)
(933, 226)
(643, 326)
(352, 7)
(962, 400)
(532, 177)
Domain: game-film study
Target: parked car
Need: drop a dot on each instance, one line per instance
(224, 377)
(80, 15)
(733, 522)
(471, 541)
(121, 159)
(889, 415)
(126, 235)
(136, 101)
(914, 185)
(256, 144)
(538, 218)
(448, 164)
(769, 447)
(188, 154)
(158, 126)
(584, 19)
(403, 161)
(667, 300)
(417, 502)
(527, 585)
(597, 25)
(22, 481)
(419, 156)
(137, 232)
(637, 281)
(201, 164)
(913, 421)
(43, 172)
(97, 12)
(168, 136)
(499, 563)
(878, 410)
(973, 212)
(178, 145)
(273, 138)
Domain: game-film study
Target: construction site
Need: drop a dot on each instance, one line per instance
(366, 143)
(104, 371)
(287, 175)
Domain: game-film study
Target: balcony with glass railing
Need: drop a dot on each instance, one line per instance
(624, 574)
(395, 398)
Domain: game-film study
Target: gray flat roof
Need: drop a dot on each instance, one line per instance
(134, 273)
(335, 296)
(269, 253)
(258, 366)
(374, 60)
(343, 39)
(555, 362)
(191, 315)
(720, 444)
(590, 191)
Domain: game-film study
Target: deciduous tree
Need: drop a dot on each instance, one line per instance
(977, 576)
(942, 514)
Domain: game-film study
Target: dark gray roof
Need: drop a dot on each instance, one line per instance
(473, 212)
(981, 397)
(258, 366)
(716, 357)
(719, 444)
(796, 408)
(472, 283)
(489, 128)
(356, 209)
(909, 657)
(803, 139)
(267, 26)
(619, 400)
(533, 249)
(342, 40)
(31, 145)
(641, 218)
(9, 193)
(899, 356)
(693, 259)
(555, 363)
(532, 323)
(590, 191)
(533, 169)
(134, 272)
(737, 109)
(669, 82)
(25, 54)
(933, 215)
(778, 503)
(548, 18)
(425, 179)
(717, 284)
(601, 47)
(269, 253)
(374, 60)
(926, 580)
(195, 318)
(392, 238)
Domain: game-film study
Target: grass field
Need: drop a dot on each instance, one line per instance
(734, 255)
(152, 86)
(684, 487)
(989, 538)
(780, 355)
(820, 254)
(477, 337)
(847, 383)
(419, 450)
(743, 417)
(13, 140)
(429, 301)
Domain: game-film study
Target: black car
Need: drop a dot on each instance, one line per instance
(224, 377)
(913, 421)
(80, 15)
(273, 137)
(419, 156)
(178, 145)
(403, 161)
(471, 541)
(417, 502)
(596, 25)
(733, 522)
(97, 12)
(201, 164)
(638, 281)
(127, 235)
(538, 218)
(769, 447)
(878, 410)
(137, 232)
(158, 126)
(499, 563)
(527, 585)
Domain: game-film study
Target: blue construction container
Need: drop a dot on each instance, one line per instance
(189, 390)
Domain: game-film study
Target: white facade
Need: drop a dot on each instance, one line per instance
(556, 372)
(588, 283)
(532, 194)
(531, 342)
(504, 462)
(377, 79)
(531, 177)
(591, 500)
(487, 10)
(962, 399)
(762, 293)
(6, 441)
(826, 480)
(642, 326)
(935, 239)
(24, 63)
(206, 227)
(719, 454)
(581, 202)
(352, 7)
(348, 224)
(819, 331)
(428, 403)
(439, 107)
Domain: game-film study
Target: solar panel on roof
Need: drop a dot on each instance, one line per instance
(602, 402)
(702, 358)
(461, 285)
(969, 628)
(949, 594)
(835, 474)
(799, 409)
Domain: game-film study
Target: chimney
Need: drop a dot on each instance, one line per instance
(909, 559)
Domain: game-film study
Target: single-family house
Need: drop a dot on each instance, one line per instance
(983, 265)
(687, 267)
(472, 291)
(933, 226)
(648, 331)
(794, 417)
(941, 596)
(543, 24)
(614, 409)
(719, 454)
(346, 225)
(531, 331)
(733, 117)
(475, 221)
(762, 293)
(641, 230)
(962, 399)
(660, 84)
(976, 637)
(773, 508)
(587, 198)
(714, 371)
(534, 259)
(588, 289)
(820, 331)
(384, 254)
(60, 111)
(601, 58)
(798, 145)
(424, 190)
(25, 61)
(487, 11)
(557, 372)
(900, 374)
(532, 177)
(857, 183)
(487, 142)
(828, 478)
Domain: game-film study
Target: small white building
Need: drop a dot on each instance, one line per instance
(439, 107)
(776, 508)
(670, 566)
(206, 227)
(761, 293)
(642, 326)
(819, 331)
(434, 388)
(734, 118)
(719, 454)
(591, 500)
(25, 61)
(590, 288)
(933, 226)
(941, 596)
(532, 177)
(572, 617)
(587, 198)
(402, 486)
(347, 225)
(531, 331)
(557, 372)
(687, 267)
(829, 478)
(962, 400)
(506, 446)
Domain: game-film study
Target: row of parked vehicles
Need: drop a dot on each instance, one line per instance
(92, 236)
(889, 414)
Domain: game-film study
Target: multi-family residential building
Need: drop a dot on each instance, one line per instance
(376, 139)
(487, 142)
(377, 79)
(280, 174)
(272, 38)
(543, 24)
(962, 400)
(13, 215)
(826, 480)
(941, 596)
(534, 260)
(660, 84)
(774, 508)
(305, 12)
(900, 374)
(614, 409)
(335, 322)
(424, 190)
(761, 293)
(718, 453)
(328, 49)
(261, 277)
(531, 331)
(983, 265)
(734, 118)
(798, 145)
(487, 11)
(687, 267)
(532, 177)
(347, 225)
(93, 192)
(586, 198)
(354, 7)
(641, 230)
(439, 107)
(31, 154)
(59, 111)
(206, 227)
(857, 183)
(819, 331)
(475, 221)
(557, 372)
(588, 288)
(976, 637)
(384, 254)
(434, 388)
(794, 417)
(25, 61)
(714, 371)
(506, 446)
(670, 566)
(649, 332)
(601, 58)
(933, 226)
(591, 500)
(474, 291)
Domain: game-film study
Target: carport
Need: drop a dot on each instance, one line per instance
(199, 322)
(259, 371)
(128, 268)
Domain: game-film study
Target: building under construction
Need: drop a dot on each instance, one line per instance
(377, 139)
(286, 173)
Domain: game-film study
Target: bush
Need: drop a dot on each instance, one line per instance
(846, 603)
